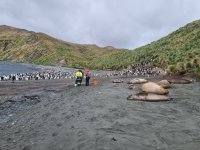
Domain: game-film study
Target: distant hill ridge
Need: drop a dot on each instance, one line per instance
(21, 45)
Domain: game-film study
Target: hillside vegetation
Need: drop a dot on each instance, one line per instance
(177, 52)
(20, 45)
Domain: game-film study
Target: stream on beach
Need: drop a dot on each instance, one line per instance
(55, 115)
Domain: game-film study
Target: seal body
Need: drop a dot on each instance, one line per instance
(149, 97)
(164, 83)
(152, 87)
(180, 81)
(137, 81)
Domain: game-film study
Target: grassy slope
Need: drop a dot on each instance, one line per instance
(25, 46)
(179, 51)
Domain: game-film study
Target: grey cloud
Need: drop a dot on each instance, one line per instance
(124, 24)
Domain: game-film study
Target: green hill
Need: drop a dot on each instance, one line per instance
(177, 52)
(26, 46)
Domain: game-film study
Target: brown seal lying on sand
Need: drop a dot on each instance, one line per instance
(152, 87)
(164, 83)
(180, 81)
(150, 97)
(151, 92)
(137, 81)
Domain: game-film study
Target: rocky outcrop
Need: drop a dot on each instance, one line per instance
(35, 54)
(32, 39)
(6, 45)
(62, 62)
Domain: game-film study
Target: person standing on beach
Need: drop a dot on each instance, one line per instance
(88, 75)
(79, 77)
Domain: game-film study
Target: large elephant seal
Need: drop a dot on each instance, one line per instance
(152, 87)
(180, 81)
(137, 81)
(149, 97)
(164, 83)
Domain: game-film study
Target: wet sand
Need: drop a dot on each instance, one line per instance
(55, 115)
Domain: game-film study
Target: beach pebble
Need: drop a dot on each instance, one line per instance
(54, 134)
(117, 81)
(27, 148)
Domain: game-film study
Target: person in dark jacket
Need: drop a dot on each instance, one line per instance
(87, 75)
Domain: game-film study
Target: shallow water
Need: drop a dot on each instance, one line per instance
(7, 68)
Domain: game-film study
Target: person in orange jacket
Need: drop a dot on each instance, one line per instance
(87, 75)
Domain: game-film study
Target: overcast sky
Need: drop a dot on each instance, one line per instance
(118, 23)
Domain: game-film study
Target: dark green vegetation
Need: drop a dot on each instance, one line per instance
(25, 46)
(177, 52)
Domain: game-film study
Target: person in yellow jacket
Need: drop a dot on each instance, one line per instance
(79, 77)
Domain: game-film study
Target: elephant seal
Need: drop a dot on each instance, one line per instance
(137, 81)
(152, 87)
(164, 83)
(180, 81)
(148, 97)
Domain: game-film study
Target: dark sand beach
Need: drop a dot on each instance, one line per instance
(55, 115)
